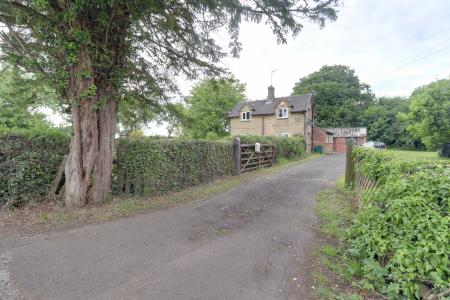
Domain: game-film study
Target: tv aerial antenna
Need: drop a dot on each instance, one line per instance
(271, 75)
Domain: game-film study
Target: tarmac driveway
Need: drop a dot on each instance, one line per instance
(246, 243)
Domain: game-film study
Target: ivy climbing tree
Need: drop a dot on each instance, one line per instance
(98, 52)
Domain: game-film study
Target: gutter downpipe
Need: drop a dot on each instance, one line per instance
(263, 125)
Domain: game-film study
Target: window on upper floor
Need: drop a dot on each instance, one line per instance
(283, 113)
(246, 116)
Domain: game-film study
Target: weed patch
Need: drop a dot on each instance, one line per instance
(401, 236)
(336, 272)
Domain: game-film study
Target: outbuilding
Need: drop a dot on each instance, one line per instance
(335, 139)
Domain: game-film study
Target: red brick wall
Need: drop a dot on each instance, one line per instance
(339, 144)
(319, 138)
(361, 140)
(329, 148)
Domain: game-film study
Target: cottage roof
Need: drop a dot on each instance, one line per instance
(298, 103)
(348, 132)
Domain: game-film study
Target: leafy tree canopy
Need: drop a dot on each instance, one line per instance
(20, 97)
(429, 114)
(383, 124)
(174, 115)
(209, 104)
(139, 46)
(133, 114)
(340, 96)
(99, 52)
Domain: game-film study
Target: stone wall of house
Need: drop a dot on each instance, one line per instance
(294, 125)
(239, 127)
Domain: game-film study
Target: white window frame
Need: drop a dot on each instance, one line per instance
(284, 134)
(283, 113)
(329, 139)
(246, 116)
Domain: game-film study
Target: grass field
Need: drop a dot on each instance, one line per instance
(416, 155)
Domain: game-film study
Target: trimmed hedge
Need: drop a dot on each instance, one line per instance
(153, 167)
(402, 234)
(286, 147)
(29, 160)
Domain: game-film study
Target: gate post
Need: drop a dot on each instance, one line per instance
(274, 154)
(349, 164)
(237, 155)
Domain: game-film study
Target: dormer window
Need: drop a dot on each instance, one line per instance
(246, 116)
(283, 113)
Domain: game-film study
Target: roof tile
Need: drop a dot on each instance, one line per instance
(298, 103)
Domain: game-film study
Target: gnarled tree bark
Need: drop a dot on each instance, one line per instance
(89, 164)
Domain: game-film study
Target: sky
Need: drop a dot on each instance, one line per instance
(393, 45)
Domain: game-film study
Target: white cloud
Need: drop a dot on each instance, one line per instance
(370, 36)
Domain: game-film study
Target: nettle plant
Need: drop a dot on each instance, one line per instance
(96, 53)
(402, 233)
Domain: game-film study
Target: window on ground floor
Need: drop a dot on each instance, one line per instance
(284, 134)
(329, 139)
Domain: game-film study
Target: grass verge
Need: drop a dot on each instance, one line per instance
(38, 217)
(414, 155)
(335, 274)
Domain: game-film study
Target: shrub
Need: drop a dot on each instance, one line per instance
(402, 233)
(286, 147)
(29, 160)
(151, 167)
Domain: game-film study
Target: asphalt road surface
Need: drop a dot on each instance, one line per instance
(249, 242)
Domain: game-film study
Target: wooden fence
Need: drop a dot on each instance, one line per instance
(353, 176)
(248, 158)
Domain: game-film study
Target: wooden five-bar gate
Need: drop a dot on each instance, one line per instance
(248, 157)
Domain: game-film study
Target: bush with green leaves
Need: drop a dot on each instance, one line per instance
(29, 160)
(402, 233)
(147, 166)
(286, 147)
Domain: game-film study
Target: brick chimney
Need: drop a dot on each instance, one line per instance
(270, 94)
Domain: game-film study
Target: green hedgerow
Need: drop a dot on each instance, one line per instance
(152, 167)
(402, 233)
(286, 147)
(29, 160)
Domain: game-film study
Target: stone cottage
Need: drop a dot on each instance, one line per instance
(283, 116)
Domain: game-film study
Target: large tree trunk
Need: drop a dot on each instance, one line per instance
(89, 164)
